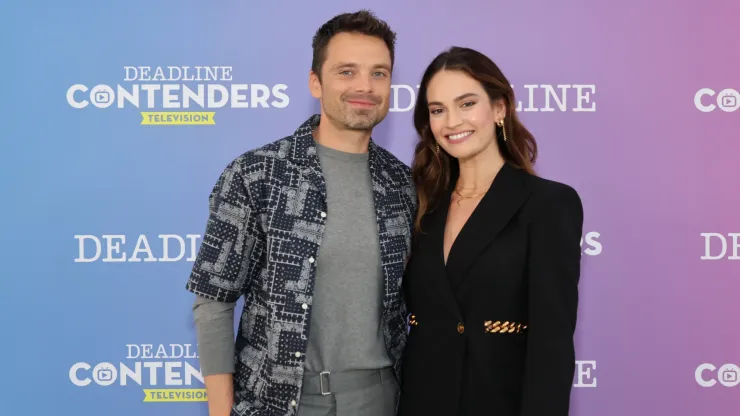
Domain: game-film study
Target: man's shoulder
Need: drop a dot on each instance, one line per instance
(277, 149)
(392, 164)
(397, 174)
(257, 159)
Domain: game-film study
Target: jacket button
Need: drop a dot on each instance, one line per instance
(460, 328)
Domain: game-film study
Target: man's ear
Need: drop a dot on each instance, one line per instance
(314, 84)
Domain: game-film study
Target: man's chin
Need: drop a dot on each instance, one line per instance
(363, 124)
(362, 121)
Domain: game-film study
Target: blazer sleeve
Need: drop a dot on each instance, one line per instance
(553, 274)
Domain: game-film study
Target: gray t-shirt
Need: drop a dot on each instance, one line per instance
(345, 329)
(345, 332)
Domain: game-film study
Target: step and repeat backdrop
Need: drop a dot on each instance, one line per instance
(106, 175)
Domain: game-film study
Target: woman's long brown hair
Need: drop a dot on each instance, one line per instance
(432, 172)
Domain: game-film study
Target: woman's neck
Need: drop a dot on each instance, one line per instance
(479, 171)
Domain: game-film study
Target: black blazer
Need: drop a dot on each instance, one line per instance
(492, 331)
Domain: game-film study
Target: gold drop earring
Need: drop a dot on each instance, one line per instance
(500, 123)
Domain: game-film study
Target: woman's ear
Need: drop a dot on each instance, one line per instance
(499, 109)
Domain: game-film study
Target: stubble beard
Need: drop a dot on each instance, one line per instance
(357, 119)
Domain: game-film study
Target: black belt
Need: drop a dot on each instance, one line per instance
(326, 383)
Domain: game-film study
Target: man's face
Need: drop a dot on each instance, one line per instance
(355, 85)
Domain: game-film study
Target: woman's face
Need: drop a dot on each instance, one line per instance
(461, 115)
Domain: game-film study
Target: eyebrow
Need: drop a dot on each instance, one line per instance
(461, 97)
(354, 65)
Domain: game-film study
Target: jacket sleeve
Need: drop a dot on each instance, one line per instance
(553, 275)
(232, 242)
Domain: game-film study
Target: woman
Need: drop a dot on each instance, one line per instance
(492, 282)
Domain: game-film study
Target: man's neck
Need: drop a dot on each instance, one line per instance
(343, 140)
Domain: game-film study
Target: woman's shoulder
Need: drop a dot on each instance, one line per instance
(548, 194)
(547, 188)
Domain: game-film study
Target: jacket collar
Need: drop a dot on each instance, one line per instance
(303, 152)
(304, 145)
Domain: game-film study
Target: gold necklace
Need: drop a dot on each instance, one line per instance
(474, 196)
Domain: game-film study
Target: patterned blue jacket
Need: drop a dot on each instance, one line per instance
(264, 231)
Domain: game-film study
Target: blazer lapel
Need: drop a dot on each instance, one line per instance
(504, 198)
(435, 226)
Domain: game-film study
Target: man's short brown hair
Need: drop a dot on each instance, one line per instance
(363, 22)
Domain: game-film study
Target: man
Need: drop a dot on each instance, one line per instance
(314, 231)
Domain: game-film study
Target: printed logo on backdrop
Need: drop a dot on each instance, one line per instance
(117, 248)
(717, 246)
(177, 95)
(709, 375)
(707, 100)
(544, 98)
(592, 246)
(169, 373)
(585, 374)
(165, 373)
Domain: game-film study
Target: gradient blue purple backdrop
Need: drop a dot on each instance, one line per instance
(653, 170)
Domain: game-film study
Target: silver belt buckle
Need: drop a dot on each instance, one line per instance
(324, 392)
